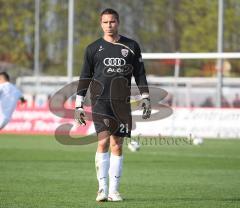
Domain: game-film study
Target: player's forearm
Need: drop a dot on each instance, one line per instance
(142, 84)
(79, 101)
(83, 85)
(3, 122)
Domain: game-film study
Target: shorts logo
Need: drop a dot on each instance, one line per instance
(114, 62)
(106, 122)
(124, 52)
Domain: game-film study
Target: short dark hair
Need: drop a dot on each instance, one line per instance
(5, 75)
(110, 11)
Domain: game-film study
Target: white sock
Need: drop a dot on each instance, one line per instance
(102, 167)
(115, 172)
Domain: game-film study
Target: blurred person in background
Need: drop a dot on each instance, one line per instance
(225, 103)
(9, 96)
(236, 101)
(208, 102)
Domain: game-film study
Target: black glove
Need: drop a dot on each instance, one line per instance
(79, 116)
(22, 99)
(146, 105)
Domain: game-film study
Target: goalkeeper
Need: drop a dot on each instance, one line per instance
(109, 64)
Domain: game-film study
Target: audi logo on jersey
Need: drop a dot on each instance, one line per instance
(114, 62)
(113, 70)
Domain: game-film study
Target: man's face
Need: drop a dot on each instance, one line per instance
(109, 24)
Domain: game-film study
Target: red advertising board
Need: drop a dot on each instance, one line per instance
(31, 120)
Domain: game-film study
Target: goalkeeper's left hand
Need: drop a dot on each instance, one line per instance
(146, 105)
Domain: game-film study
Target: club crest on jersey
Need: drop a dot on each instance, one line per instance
(124, 52)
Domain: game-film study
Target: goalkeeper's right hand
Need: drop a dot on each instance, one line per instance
(79, 116)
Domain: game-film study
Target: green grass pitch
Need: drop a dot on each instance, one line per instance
(36, 171)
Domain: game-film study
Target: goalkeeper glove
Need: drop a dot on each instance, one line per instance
(79, 116)
(146, 105)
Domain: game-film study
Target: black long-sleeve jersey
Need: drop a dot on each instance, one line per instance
(109, 68)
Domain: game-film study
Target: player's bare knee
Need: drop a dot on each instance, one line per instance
(103, 142)
(103, 146)
(116, 148)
